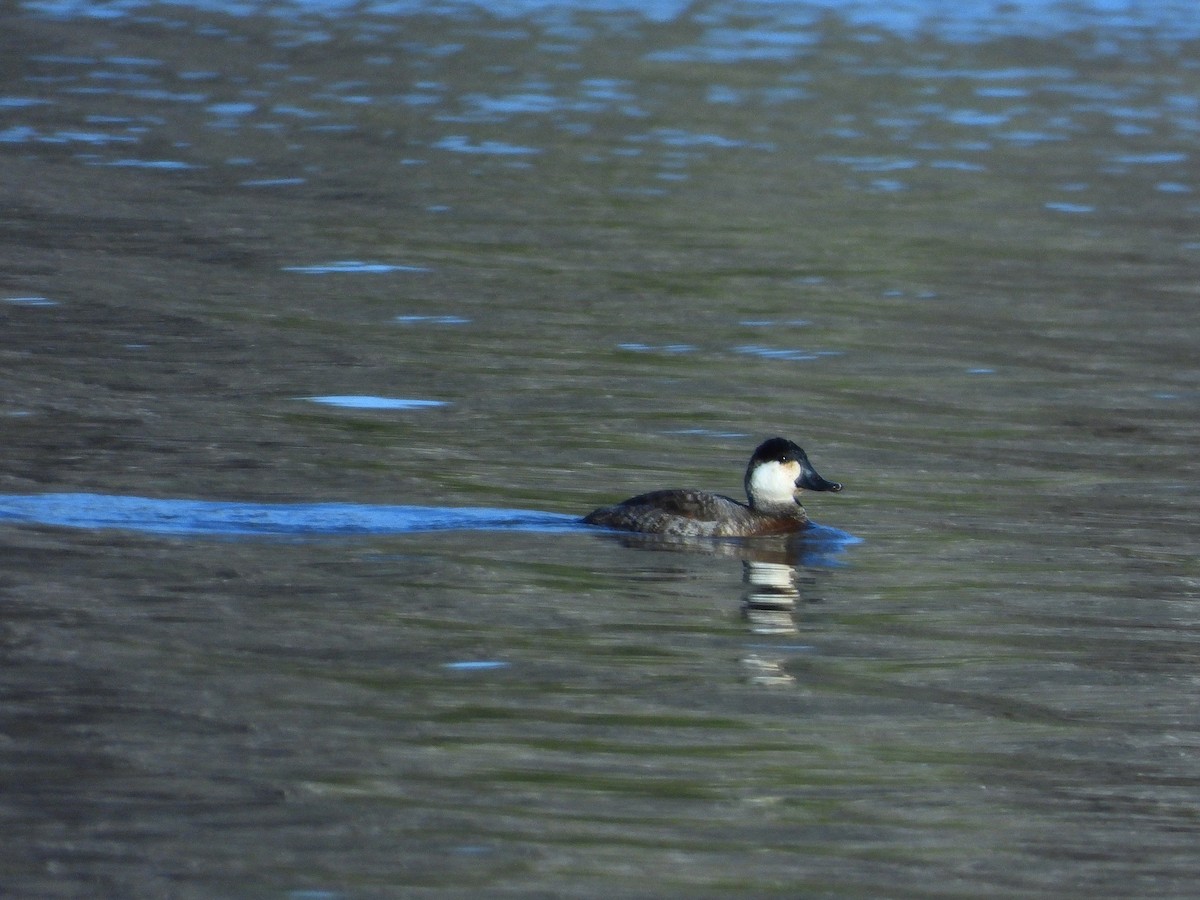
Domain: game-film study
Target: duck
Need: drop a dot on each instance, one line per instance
(776, 474)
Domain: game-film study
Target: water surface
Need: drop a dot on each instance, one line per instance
(280, 263)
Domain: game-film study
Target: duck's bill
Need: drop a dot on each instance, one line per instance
(809, 480)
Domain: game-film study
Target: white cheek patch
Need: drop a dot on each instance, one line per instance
(774, 482)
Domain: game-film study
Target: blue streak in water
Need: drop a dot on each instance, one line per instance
(820, 547)
(475, 665)
(353, 401)
(200, 517)
(458, 143)
(777, 30)
(352, 267)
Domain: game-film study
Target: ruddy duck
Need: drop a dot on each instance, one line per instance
(777, 472)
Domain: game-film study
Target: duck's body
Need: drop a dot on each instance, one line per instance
(778, 471)
(695, 514)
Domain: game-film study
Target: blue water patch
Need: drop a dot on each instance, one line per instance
(730, 45)
(480, 665)
(57, 59)
(98, 138)
(1076, 208)
(872, 163)
(21, 134)
(679, 137)
(458, 143)
(207, 517)
(432, 320)
(355, 401)
(166, 165)
(297, 112)
(1031, 137)
(635, 347)
(821, 545)
(493, 108)
(352, 267)
(232, 109)
(1151, 159)
(21, 102)
(143, 61)
(957, 165)
(783, 353)
(779, 31)
(274, 182)
(971, 117)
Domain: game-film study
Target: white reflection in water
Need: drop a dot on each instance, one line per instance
(773, 569)
(770, 597)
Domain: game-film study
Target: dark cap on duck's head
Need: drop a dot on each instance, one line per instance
(777, 449)
(781, 450)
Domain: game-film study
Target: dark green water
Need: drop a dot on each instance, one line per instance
(618, 252)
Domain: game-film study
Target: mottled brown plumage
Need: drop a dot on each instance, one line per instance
(777, 472)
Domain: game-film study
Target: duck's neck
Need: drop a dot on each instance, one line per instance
(792, 510)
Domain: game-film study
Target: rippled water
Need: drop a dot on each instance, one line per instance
(323, 323)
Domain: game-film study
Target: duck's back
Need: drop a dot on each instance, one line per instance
(683, 513)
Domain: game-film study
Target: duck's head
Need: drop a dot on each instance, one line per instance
(779, 470)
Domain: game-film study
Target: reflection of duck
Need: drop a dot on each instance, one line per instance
(777, 472)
